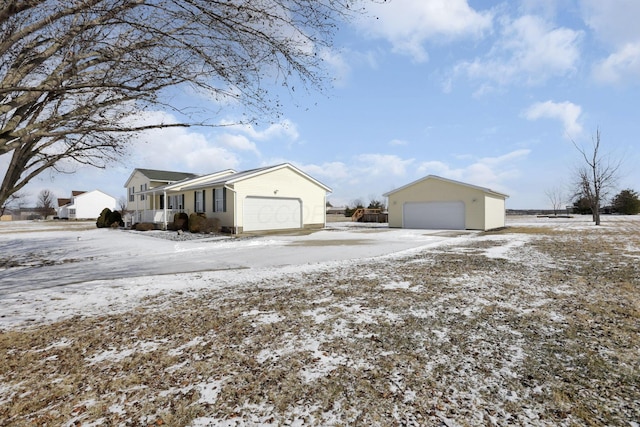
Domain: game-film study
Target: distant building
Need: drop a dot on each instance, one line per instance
(85, 205)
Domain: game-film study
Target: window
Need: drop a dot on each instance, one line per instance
(132, 197)
(143, 187)
(199, 201)
(220, 200)
(176, 202)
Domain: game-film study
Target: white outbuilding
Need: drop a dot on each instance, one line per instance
(85, 205)
(434, 202)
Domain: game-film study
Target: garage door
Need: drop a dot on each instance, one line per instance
(271, 213)
(434, 215)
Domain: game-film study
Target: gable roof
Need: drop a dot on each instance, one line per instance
(435, 177)
(162, 176)
(88, 193)
(189, 182)
(251, 173)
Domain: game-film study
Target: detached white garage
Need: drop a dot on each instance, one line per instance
(434, 202)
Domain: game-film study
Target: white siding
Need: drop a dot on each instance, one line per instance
(288, 184)
(89, 205)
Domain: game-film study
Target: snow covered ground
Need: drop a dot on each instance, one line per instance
(85, 270)
(351, 325)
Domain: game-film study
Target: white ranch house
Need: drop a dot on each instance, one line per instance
(434, 202)
(279, 197)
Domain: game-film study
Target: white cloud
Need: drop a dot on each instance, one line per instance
(237, 142)
(622, 65)
(491, 172)
(338, 65)
(530, 50)
(382, 165)
(181, 149)
(567, 112)
(615, 22)
(368, 176)
(285, 129)
(408, 24)
(333, 170)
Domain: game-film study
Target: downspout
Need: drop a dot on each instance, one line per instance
(235, 208)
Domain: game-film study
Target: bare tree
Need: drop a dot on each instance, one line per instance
(597, 177)
(75, 74)
(45, 203)
(16, 200)
(556, 197)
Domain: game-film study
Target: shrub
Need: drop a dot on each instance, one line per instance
(196, 223)
(202, 224)
(103, 218)
(180, 222)
(213, 225)
(114, 220)
(143, 226)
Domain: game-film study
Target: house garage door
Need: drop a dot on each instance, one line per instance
(434, 215)
(271, 213)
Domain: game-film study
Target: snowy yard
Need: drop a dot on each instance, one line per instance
(538, 324)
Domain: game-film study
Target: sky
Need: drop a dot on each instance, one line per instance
(494, 94)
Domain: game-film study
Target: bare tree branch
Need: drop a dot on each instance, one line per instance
(74, 74)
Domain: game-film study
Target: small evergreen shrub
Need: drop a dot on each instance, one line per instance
(180, 222)
(114, 220)
(103, 219)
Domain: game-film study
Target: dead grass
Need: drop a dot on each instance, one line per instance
(548, 336)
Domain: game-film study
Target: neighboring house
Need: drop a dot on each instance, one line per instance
(439, 203)
(279, 197)
(85, 205)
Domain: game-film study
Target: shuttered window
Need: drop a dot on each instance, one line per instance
(220, 199)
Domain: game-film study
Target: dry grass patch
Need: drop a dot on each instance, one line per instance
(548, 335)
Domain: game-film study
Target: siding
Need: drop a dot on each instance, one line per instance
(482, 211)
(432, 190)
(285, 182)
(494, 212)
(89, 205)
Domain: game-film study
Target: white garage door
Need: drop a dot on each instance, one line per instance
(434, 215)
(271, 213)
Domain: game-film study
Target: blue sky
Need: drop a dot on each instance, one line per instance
(485, 92)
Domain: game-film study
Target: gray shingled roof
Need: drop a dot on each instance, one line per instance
(169, 176)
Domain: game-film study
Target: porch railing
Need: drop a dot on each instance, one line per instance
(157, 216)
